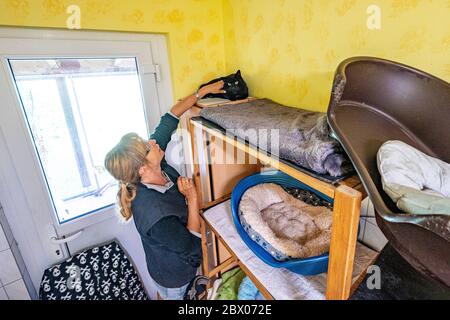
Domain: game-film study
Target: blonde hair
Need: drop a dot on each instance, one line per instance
(123, 163)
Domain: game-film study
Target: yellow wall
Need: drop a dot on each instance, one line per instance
(193, 27)
(288, 49)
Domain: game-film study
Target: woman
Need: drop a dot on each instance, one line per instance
(163, 204)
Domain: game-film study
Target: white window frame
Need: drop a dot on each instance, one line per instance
(13, 195)
(159, 67)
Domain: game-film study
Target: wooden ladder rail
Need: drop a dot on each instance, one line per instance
(344, 232)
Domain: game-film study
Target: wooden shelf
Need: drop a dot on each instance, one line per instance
(215, 102)
(348, 260)
(277, 283)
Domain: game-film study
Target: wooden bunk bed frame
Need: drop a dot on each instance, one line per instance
(214, 183)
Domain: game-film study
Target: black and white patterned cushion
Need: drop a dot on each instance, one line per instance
(99, 273)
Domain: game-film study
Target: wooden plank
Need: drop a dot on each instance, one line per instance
(196, 175)
(210, 204)
(346, 211)
(323, 187)
(226, 169)
(357, 280)
(222, 266)
(351, 181)
(203, 190)
(360, 188)
(205, 104)
(205, 261)
(187, 138)
(223, 255)
(354, 182)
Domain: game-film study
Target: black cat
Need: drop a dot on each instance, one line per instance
(234, 86)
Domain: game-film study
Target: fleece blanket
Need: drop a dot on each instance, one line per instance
(297, 135)
(285, 224)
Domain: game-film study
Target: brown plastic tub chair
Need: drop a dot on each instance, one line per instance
(375, 100)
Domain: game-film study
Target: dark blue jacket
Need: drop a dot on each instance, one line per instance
(173, 254)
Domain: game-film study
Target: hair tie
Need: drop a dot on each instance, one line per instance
(126, 184)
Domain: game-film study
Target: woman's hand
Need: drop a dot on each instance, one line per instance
(187, 188)
(216, 87)
(189, 101)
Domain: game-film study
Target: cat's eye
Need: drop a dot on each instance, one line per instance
(237, 82)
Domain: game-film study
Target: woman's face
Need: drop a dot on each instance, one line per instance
(155, 154)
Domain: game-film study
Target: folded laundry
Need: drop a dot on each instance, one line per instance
(416, 182)
(302, 137)
(231, 280)
(283, 225)
(248, 290)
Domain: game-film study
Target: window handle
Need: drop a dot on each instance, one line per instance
(66, 238)
(152, 68)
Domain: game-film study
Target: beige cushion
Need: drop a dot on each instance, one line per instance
(291, 226)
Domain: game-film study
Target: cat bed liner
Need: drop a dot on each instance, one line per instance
(285, 226)
(305, 266)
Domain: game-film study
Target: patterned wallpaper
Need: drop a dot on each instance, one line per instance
(194, 29)
(288, 50)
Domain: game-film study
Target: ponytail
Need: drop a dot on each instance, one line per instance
(123, 163)
(125, 195)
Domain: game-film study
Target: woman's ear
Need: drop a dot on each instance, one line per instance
(141, 171)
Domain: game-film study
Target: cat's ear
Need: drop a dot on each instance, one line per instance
(238, 73)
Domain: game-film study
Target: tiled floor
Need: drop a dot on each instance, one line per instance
(3, 241)
(369, 232)
(3, 295)
(12, 286)
(16, 290)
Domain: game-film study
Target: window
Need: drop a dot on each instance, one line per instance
(77, 110)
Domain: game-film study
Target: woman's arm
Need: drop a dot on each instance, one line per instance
(163, 132)
(187, 188)
(185, 104)
(193, 215)
(168, 123)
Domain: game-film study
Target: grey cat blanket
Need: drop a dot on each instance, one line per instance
(293, 134)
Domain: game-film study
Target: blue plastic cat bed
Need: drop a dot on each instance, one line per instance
(307, 266)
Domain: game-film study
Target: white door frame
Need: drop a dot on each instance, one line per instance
(15, 197)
